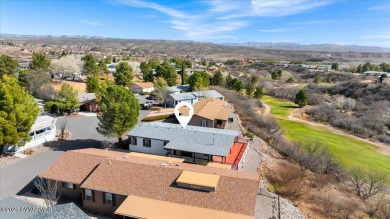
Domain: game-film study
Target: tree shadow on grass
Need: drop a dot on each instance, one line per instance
(290, 107)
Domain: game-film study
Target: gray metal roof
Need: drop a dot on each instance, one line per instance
(207, 94)
(68, 211)
(192, 138)
(9, 208)
(179, 88)
(86, 97)
(196, 95)
(183, 96)
(43, 121)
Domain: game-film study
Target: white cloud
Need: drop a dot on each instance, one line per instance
(380, 8)
(382, 36)
(276, 30)
(93, 23)
(312, 22)
(222, 17)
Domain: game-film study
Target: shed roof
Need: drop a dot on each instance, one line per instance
(198, 179)
(195, 139)
(144, 84)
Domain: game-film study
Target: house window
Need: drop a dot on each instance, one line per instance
(147, 142)
(88, 195)
(186, 154)
(203, 123)
(133, 140)
(69, 185)
(108, 198)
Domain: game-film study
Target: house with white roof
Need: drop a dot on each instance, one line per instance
(192, 143)
(193, 97)
(43, 130)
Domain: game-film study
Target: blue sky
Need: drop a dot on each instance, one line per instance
(358, 22)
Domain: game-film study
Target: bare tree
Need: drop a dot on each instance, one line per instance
(346, 208)
(62, 127)
(383, 209)
(48, 191)
(106, 145)
(66, 65)
(328, 202)
(367, 184)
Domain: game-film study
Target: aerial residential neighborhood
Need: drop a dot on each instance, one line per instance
(194, 109)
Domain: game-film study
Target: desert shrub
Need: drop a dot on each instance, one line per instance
(287, 180)
(322, 113)
(203, 163)
(315, 98)
(28, 151)
(384, 139)
(288, 93)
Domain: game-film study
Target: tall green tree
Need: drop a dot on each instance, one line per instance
(249, 89)
(255, 79)
(317, 79)
(359, 69)
(68, 98)
(218, 78)
(301, 98)
(199, 81)
(229, 81)
(276, 75)
(123, 74)
(90, 65)
(237, 85)
(18, 112)
(93, 84)
(168, 72)
(102, 66)
(120, 111)
(40, 62)
(259, 92)
(161, 92)
(148, 74)
(335, 66)
(8, 65)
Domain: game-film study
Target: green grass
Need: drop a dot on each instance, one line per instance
(279, 107)
(351, 152)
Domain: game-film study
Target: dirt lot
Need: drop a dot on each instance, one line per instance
(78, 86)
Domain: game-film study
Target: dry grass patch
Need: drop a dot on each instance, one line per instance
(77, 86)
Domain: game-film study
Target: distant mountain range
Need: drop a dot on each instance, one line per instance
(311, 47)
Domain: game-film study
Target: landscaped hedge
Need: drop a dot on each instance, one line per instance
(159, 117)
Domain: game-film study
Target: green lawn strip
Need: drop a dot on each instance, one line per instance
(351, 152)
(279, 107)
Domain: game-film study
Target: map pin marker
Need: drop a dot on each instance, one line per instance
(184, 120)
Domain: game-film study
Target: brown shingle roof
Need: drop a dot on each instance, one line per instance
(144, 84)
(210, 108)
(72, 167)
(234, 194)
(143, 177)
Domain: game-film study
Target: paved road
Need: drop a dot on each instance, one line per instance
(16, 177)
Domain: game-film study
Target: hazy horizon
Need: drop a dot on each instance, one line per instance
(306, 22)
